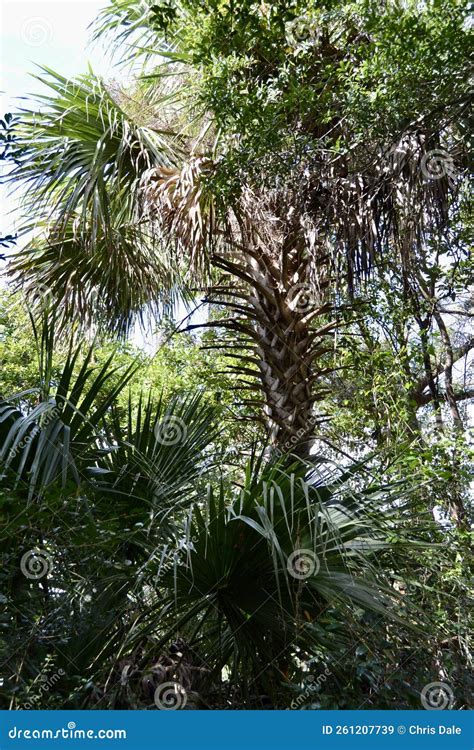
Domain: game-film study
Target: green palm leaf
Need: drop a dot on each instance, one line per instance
(229, 588)
(161, 451)
(81, 163)
(57, 439)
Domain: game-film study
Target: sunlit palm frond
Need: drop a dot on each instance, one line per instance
(56, 441)
(101, 248)
(139, 25)
(81, 157)
(250, 583)
(161, 451)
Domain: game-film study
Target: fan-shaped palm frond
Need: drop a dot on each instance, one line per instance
(82, 157)
(81, 162)
(135, 23)
(56, 440)
(109, 240)
(102, 287)
(161, 451)
(249, 584)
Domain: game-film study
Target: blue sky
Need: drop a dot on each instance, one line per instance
(57, 35)
(46, 33)
(54, 34)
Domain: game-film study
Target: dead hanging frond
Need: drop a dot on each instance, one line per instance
(356, 208)
(177, 199)
(105, 281)
(393, 203)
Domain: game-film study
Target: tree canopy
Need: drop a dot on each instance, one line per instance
(281, 487)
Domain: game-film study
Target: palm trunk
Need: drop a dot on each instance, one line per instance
(286, 348)
(280, 306)
(283, 309)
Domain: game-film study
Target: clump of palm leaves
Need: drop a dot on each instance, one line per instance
(247, 584)
(142, 526)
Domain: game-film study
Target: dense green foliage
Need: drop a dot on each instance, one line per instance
(133, 517)
(273, 512)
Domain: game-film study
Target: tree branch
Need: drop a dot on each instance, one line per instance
(458, 353)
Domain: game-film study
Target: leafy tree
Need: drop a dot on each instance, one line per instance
(300, 169)
(262, 169)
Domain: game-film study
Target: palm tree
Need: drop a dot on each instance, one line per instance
(247, 591)
(73, 436)
(148, 548)
(124, 187)
(126, 190)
